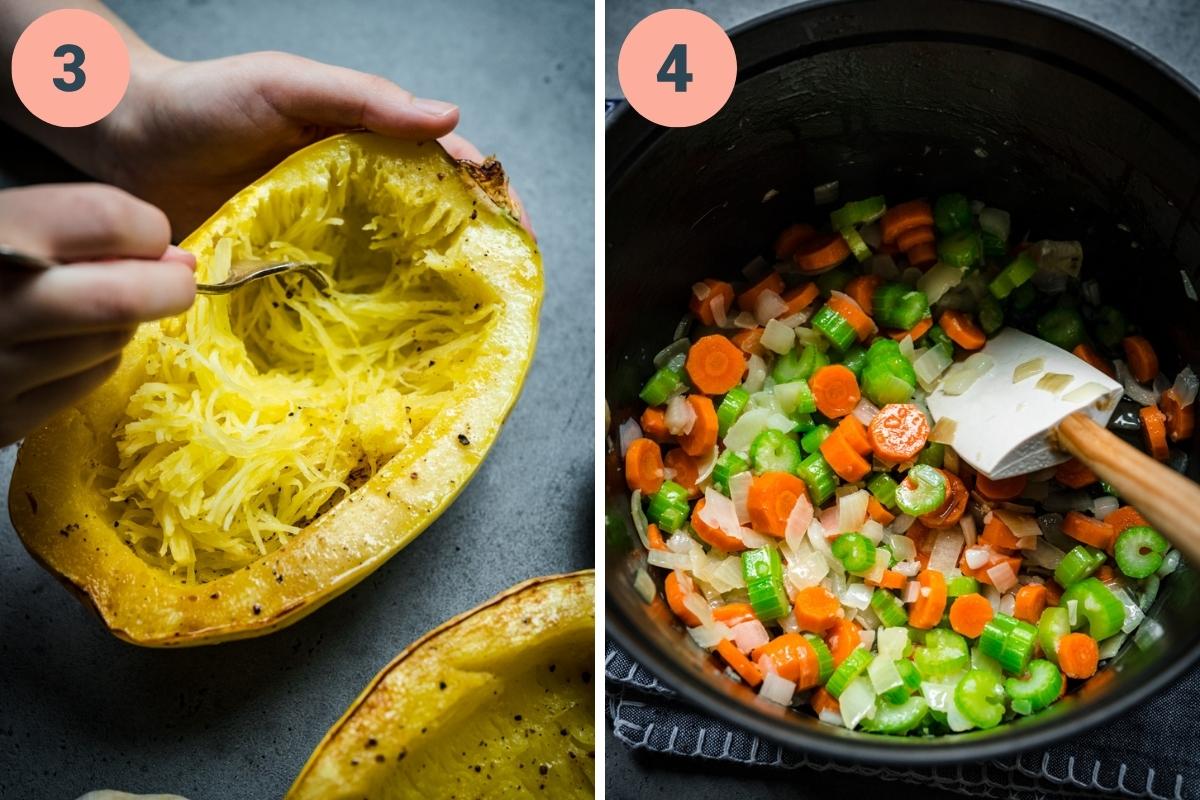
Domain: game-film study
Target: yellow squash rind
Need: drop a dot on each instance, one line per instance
(63, 520)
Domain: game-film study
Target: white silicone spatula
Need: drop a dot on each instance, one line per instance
(1004, 428)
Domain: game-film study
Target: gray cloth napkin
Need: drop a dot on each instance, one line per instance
(1150, 752)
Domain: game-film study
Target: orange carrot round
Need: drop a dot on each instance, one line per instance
(771, 499)
(1181, 419)
(749, 341)
(856, 435)
(654, 424)
(800, 298)
(1074, 474)
(852, 313)
(733, 613)
(878, 513)
(1088, 530)
(962, 330)
(713, 536)
(654, 535)
(794, 659)
(749, 298)
(816, 609)
(900, 219)
(743, 666)
(915, 236)
(1003, 489)
(703, 435)
(1154, 431)
(926, 611)
(915, 332)
(969, 613)
(862, 289)
(922, 256)
(843, 458)
(822, 700)
(791, 238)
(1030, 602)
(1124, 518)
(703, 309)
(714, 364)
(997, 535)
(1086, 352)
(953, 507)
(686, 470)
(1078, 655)
(843, 637)
(821, 253)
(643, 466)
(1143, 361)
(835, 389)
(676, 593)
(898, 432)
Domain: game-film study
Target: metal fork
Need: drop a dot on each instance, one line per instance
(240, 273)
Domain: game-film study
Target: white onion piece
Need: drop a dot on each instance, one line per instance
(797, 319)
(1085, 393)
(745, 320)
(756, 374)
(744, 430)
(701, 290)
(693, 601)
(1091, 292)
(967, 523)
(1008, 603)
(909, 569)
(788, 623)
(857, 702)
(992, 595)
(1133, 612)
(976, 557)
(1046, 556)
(946, 548)
(872, 530)
(777, 337)
(1054, 382)
(819, 541)
(808, 570)
(829, 521)
(1170, 564)
(857, 595)
(1061, 258)
(1002, 576)
(867, 635)
(906, 348)
(787, 395)
(1073, 612)
(808, 336)
(875, 574)
(629, 432)
(995, 221)
(912, 590)
(643, 584)
(865, 411)
(1149, 632)
(902, 523)
(852, 511)
(682, 543)
(1104, 505)
(943, 432)
(902, 547)
(709, 636)
(739, 493)
(1186, 386)
(775, 689)
(1027, 369)
(677, 347)
(892, 642)
(720, 317)
(749, 635)
(640, 523)
(1111, 646)
(929, 367)
(847, 298)
(1021, 525)
(960, 377)
(799, 519)
(768, 306)
(831, 717)
(940, 279)
(1138, 393)
(680, 416)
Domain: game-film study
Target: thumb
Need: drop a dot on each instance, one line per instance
(336, 97)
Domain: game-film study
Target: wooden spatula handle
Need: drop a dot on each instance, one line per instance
(1168, 500)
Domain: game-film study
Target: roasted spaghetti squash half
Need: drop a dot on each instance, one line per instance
(261, 453)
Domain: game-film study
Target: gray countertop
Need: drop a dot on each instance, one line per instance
(1170, 29)
(80, 710)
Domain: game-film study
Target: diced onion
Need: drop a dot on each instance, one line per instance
(754, 268)
(909, 569)
(929, 367)
(745, 320)
(777, 690)
(717, 306)
(669, 560)
(946, 548)
(1046, 556)
(696, 604)
(1138, 393)
(1072, 613)
(883, 675)
(709, 636)
(1002, 576)
(857, 702)
(831, 717)
(906, 348)
(1133, 612)
(857, 595)
(852, 511)
(682, 327)
(1086, 393)
(680, 542)
(767, 306)
(992, 595)
(680, 416)
(976, 557)
(628, 433)
(891, 642)
(911, 275)
(1027, 369)
(960, 377)
(701, 290)
(1186, 386)
(1149, 632)
(912, 590)
(1112, 645)
(943, 432)
(1170, 564)
(1008, 603)
(640, 522)
(749, 635)
(777, 337)
(705, 467)
(902, 523)
(872, 530)
(1021, 525)
(875, 575)
(1054, 382)
(643, 584)
(756, 374)
(902, 547)
(865, 411)
(789, 623)
(1104, 505)
(967, 523)
(940, 279)
(808, 570)
(799, 519)
(996, 222)
(739, 493)
(676, 347)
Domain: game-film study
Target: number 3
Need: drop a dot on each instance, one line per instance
(73, 68)
(677, 60)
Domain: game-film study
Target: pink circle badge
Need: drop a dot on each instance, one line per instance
(677, 68)
(70, 68)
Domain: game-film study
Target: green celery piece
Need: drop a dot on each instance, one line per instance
(1096, 606)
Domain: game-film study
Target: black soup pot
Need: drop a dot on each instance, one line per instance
(1078, 133)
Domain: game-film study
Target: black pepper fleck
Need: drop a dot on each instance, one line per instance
(442, 685)
(257, 609)
(543, 769)
(463, 440)
(372, 742)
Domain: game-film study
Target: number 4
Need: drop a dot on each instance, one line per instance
(677, 61)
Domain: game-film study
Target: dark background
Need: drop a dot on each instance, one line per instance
(1170, 29)
(80, 710)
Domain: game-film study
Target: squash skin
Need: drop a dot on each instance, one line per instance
(62, 520)
(395, 708)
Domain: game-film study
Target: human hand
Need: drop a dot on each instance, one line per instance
(189, 135)
(62, 329)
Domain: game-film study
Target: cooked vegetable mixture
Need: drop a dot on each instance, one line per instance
(820, 537)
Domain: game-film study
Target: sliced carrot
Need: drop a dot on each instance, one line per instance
(686, 470)
(898, 432)
(961, 329)
(1181, 419)
(1078, 655)
(676, 591)
(890, 580)
(843, 638)
(655, 537)
(743, 666)
(733, 613)
(714, 364)
(981, 574)
(953, 507)
(749, 298)
(654, 424)
(821, 253)
(703, 435)
(922, 256)
(835, 389)
(712, 535)
(856, 435)
(1053, 593)
(915, 332)
(969, 613)
(843, 459)
(926, 611)
(915, 236)
(822, 700)
(1143, 361)
(1088, 530)
(855, 315)
(703, 309)
(801, 297)
(1154, 431)
(792, 237)
(1105, 573)
(877, 512)
(1030, 602)
(644, 466)
(1003, 489)
(816, 609)
(794, 659)
(900, 219)
(1074, 474)
(749, 341)
(997, 535)
(770, 501)
(1124, 518)
(1085, 352)
(862, 289)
